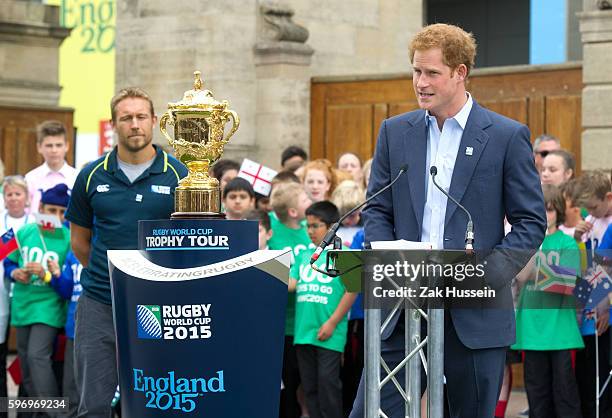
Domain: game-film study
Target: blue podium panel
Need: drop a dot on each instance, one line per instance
(201, 342)
(190, 242)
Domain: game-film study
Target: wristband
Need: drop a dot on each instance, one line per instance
(47, 277)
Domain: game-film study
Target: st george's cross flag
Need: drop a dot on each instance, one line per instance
(258, 175)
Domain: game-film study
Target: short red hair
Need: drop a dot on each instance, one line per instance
(457, 46)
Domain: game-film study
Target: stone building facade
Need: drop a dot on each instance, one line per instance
(260, 56)
(30, 37)
(596, 31)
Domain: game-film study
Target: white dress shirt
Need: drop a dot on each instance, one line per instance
(442, 152)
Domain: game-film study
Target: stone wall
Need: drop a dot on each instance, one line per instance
(161, 43)
(596, 30)
(359, 36)
(266, 80)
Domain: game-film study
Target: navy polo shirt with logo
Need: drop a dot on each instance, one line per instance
(104, 200)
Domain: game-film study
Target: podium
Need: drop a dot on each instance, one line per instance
(392, 281)
(199, 318)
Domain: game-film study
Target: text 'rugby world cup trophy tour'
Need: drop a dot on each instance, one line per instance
(199, 310)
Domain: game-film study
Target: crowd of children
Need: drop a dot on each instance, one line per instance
(560, 350)
(41, 274)
(558, 354)
(323, 353)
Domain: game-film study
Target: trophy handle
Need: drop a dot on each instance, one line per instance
(162, 126)
(235, 125)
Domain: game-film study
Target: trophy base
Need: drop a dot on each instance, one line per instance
(195, 200)
(197, 215)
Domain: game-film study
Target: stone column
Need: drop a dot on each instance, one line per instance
(596, 31)
(282, 63)
(30, 37)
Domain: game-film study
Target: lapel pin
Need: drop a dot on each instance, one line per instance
(469, 150)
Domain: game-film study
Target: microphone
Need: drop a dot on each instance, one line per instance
(331, 233)
(469, 231)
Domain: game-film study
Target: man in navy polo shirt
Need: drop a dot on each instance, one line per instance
(135, 181)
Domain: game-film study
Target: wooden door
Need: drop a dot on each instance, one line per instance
(346, 114)
(18, 136)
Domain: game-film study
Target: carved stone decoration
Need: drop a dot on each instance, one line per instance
(278, 24)
(280, 39)
(604, 4)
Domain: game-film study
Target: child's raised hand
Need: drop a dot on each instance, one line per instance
(582, 228)
(53, 268)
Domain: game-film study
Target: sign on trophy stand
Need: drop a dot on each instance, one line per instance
(199, 311)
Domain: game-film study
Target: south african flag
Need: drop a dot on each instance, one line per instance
(555, 279)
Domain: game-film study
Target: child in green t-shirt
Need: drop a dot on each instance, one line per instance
(322, 304)
(289, 202)
(37, 311)
(546, 325)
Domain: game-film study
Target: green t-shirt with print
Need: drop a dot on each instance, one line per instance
(317, 297)
(297, 240)
(37, 302)
(555, 327)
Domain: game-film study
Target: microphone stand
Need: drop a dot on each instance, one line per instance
(331, 237)
(331, 272)
(469, 231)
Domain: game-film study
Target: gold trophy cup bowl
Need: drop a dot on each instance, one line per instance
(199, 137)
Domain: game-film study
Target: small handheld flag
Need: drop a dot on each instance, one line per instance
(258, 175)
(589, 292)
(8, 244)
(556, 279)
(48, 223)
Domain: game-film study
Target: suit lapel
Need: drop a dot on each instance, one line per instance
(473, 137)
(415, 154)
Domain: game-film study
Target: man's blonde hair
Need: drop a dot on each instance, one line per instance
(457, 46)
(129, 92)
(284, 197)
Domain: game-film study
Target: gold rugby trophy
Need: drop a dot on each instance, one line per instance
(199, 137)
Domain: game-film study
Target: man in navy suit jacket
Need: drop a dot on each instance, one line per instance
(485, 161)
